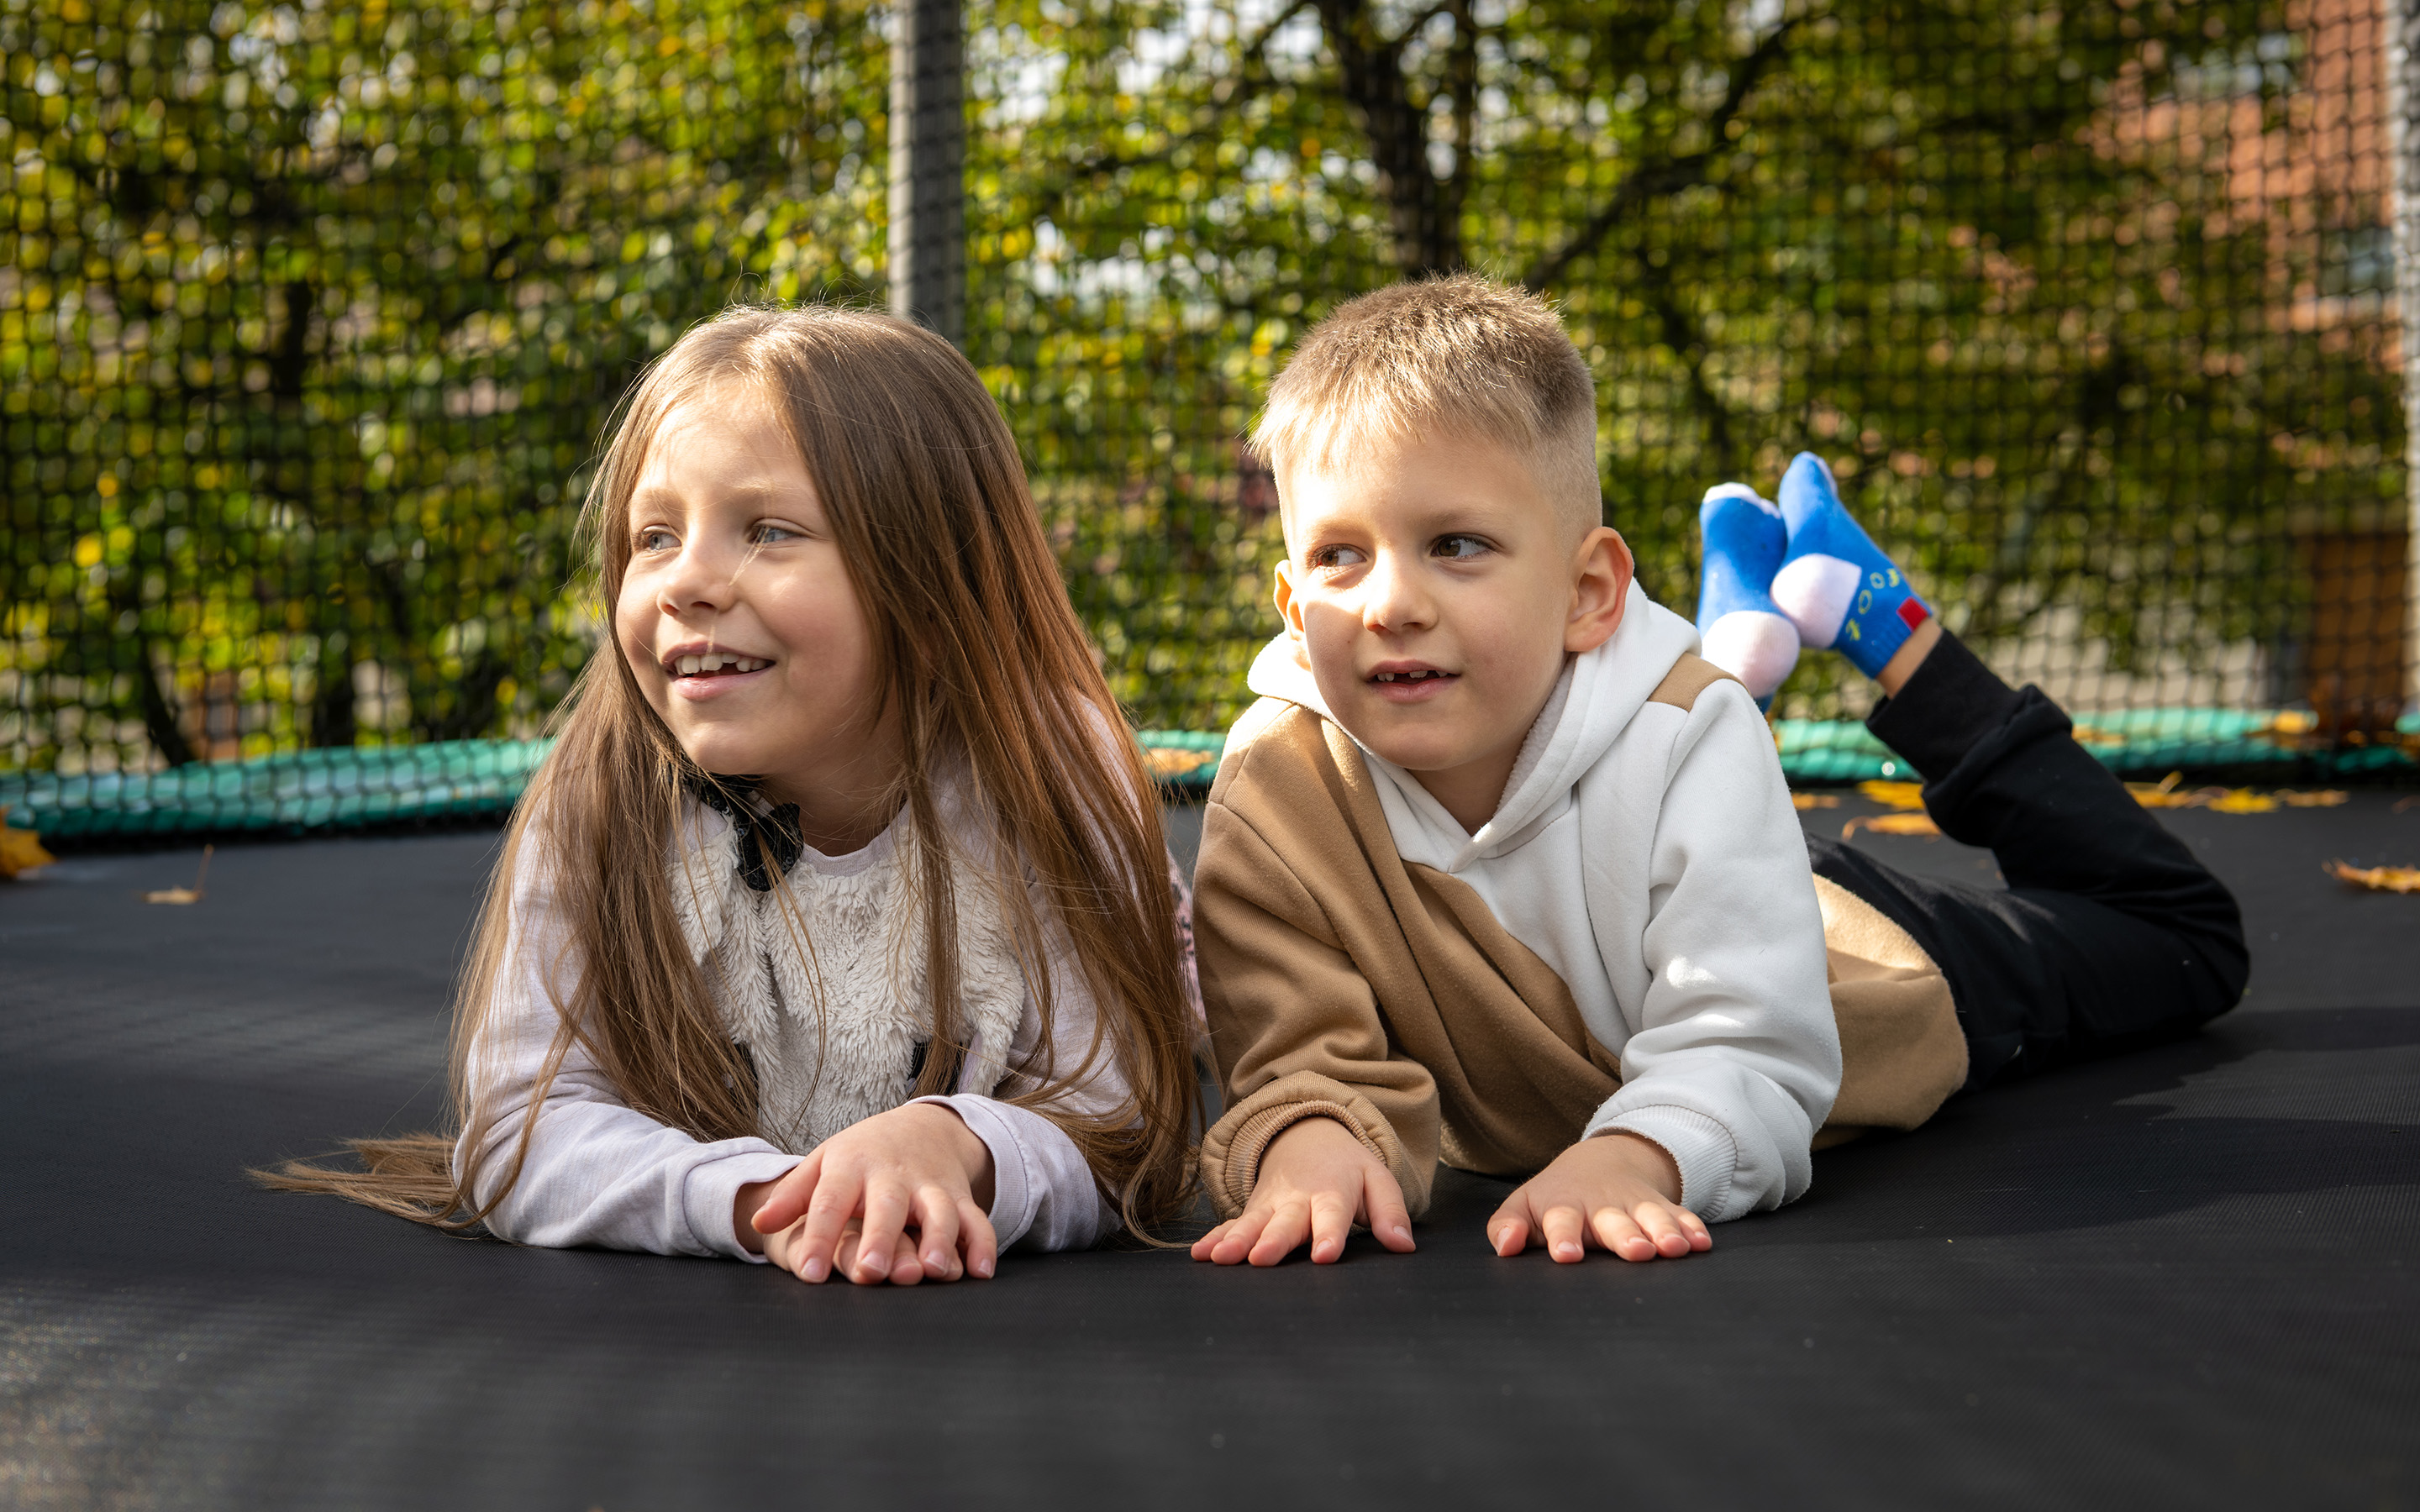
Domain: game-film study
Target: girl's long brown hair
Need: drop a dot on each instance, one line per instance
(982, 656)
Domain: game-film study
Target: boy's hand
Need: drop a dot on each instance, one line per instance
(1617, 1191)
(1316, 1182)
(902, 1197)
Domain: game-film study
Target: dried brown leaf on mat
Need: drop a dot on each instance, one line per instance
(2376, 878)
(21, 849)
(1803, 801)
(1892, 824)
(1164, 762)
(2167, 793)
(185, 895)
(1895, 794)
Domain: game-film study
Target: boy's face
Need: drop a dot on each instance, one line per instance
(1435, 591)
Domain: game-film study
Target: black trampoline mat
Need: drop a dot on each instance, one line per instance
(2186, 1277)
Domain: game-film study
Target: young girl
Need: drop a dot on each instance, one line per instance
(837, 930)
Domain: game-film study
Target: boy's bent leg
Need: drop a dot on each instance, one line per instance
(2110, 933)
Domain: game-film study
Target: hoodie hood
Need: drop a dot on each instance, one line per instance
(1592, 705)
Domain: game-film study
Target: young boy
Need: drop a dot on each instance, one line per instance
(1498, 870)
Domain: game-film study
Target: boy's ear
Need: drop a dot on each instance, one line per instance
(1282, 591)
(1602, 569)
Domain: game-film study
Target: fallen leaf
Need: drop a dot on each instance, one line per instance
(2237, 800)
(21, 849)
(1803, 801)
(2376, 878)
(1892, 824)
(2163, 794)
(2325, 799)
(185, 895)
(1896, 794)
(2088, 735)
(1165, 763)
(2401, 804)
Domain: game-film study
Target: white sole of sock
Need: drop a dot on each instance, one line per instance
(1756, 647)
(1816, 590)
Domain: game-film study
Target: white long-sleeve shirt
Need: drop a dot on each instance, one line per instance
(600, 1173)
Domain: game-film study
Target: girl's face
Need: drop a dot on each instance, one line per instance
(739, 620)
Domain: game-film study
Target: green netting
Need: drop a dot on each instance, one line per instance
(471, 779)
(310, 316)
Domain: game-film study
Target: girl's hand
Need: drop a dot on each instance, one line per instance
(1617, 1190)
(903, 1197)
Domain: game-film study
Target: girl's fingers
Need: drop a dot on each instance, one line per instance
(788, 1200)
(937, 1233)
(1695, 1226)
(1390, 1220)
(1566, 1238)
(1331, 1223)
(885, 1214)
(1617, 1233)
(977, 1241)
(836, 1203)
(905, 1269)
(1287, 1228)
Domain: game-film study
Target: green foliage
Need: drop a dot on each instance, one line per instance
(310, 316)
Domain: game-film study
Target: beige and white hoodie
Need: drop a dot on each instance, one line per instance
(1633, 942)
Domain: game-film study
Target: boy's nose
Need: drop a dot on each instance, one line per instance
(1394, 599)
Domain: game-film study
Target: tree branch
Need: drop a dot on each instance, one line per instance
(1653, 180)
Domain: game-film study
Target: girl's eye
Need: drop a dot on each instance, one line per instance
(768, 533)
(655, 541)
(1337, 556)
(1459, 547)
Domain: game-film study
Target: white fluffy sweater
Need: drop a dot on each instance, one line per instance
(600, 1173)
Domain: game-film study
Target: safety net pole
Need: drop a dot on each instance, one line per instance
(928, 153)
(2403, 100)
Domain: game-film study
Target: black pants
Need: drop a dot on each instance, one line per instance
(2110, 933)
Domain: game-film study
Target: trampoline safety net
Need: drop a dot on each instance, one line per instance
(311, 313)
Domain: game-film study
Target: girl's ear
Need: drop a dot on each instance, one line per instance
(1601, 570)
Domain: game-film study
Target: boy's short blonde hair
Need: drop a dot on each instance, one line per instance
(1463, 356)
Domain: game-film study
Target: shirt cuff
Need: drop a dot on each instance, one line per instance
(1032, 1161)
(1702, 1150)
(712, 1189)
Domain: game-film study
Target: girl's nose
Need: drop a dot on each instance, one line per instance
(702, 580)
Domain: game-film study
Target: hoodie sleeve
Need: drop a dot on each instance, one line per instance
(1734, 1056)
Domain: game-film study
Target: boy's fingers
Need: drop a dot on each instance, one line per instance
(977, 1241)
(1509, 1231)
(1331, 1223)
(1566, 1238)
(1287, 1228)
(1208, 1243)
(1390, 1220)
(1656, 1222)
(1243, 1233)
(1617, 1233)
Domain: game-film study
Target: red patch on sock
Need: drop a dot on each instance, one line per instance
(1913, 614)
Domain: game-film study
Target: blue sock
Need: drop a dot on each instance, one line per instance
(1742, 629)
(1835, 585)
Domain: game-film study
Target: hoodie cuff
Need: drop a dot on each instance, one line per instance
(711, 1190)
(1702, 1148)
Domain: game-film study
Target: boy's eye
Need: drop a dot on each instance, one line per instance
(1337, 556)
(1459, 547)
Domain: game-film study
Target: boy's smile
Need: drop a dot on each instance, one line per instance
(1435, 592)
